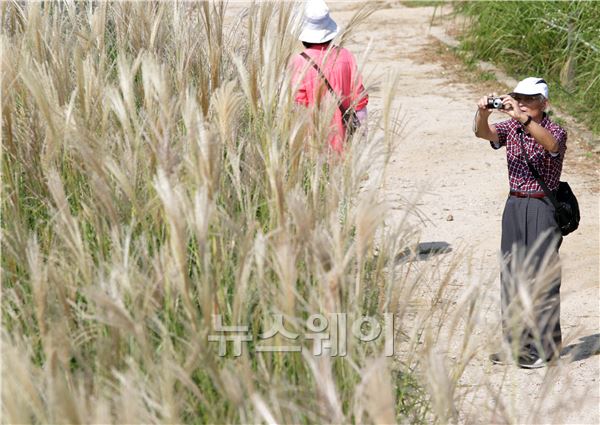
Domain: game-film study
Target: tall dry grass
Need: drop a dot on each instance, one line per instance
(156, 173)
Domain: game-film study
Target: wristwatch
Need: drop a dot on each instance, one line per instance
(526, 123)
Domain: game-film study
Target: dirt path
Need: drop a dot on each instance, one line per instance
(466, 186)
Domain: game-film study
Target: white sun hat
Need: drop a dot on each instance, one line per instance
(317, 25)
(532, 86)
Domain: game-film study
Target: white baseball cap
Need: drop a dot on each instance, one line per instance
(317, 27)
(532, 86)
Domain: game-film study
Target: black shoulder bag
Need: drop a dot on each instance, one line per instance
(565, 203)
(349, 117)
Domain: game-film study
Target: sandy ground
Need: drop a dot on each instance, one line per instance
(466, 187)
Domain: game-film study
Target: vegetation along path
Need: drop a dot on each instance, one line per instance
(461, 185)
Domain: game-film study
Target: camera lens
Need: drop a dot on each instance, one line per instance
(494, 103)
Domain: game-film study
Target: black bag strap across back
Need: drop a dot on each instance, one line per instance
(535, 173)
(316, 67)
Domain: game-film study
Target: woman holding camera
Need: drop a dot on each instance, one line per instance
(530, 277)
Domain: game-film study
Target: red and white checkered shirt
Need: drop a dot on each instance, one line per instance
(548, 165)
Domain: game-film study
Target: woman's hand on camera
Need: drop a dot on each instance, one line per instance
(483, 102)
(511, 108)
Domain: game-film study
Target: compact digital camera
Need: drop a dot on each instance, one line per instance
(494, 103)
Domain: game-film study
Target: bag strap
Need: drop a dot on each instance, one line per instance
(315, 66)
(535, 173)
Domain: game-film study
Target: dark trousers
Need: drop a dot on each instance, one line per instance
(531, 277)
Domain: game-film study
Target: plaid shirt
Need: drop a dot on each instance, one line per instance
(548, 165)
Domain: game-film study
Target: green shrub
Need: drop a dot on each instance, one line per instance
(559, 41)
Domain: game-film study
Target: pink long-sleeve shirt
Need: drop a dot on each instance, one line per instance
(340, 69)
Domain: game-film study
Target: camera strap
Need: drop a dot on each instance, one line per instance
(316, 67)
(535, 173)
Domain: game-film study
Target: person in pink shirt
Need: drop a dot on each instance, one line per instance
(336, 64)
